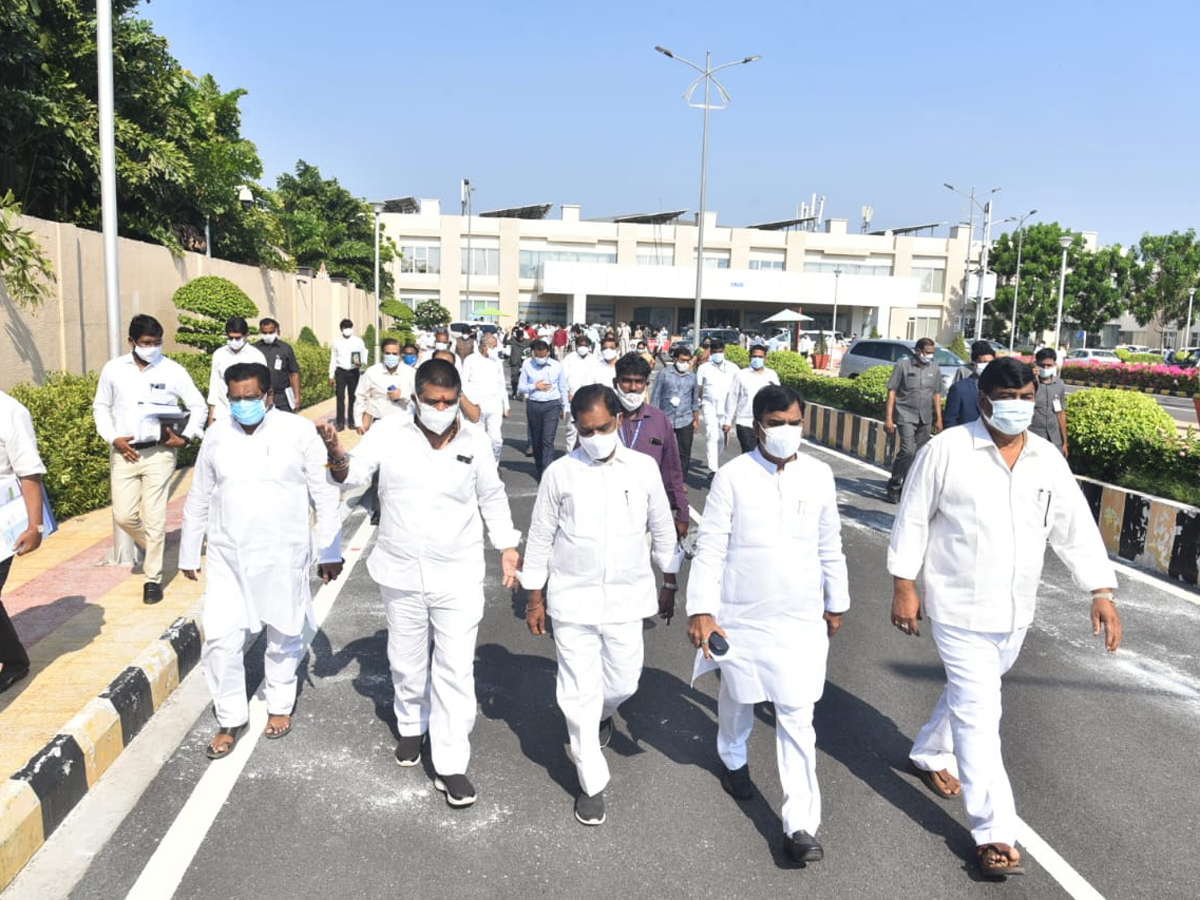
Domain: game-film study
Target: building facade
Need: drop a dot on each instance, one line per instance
(513, 265)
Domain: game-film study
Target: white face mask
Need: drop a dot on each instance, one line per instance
(599, 446)
(979, 367)
(437, 420)
(1010, 417)
(609, 354)
(926, 358)
(1047, 371)
(147, 354)
(632, 400)
(783, 441)
(441, 345)
(682, 367)
(346, 332)
(718, 357)
(270, 338)
(583, 349)
(236, 344)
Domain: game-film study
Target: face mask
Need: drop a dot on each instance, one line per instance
(270, 338)
(147, 354)
(682, 367)
(632, 400)
(346, 332)
(1010, 416)
(583, 350)
(926, 358)
(641, 349)
(782, 441)
(248, 412)
(718, 357)
(1046, 371)
(391, 360)
(410, 359)
(757, 362)
(437, 420)
(236, 344)
(541, 361)
(599, 446)
(609, 354)
(441, 345)
(979, 367)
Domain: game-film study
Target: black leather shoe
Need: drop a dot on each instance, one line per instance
(802, 847)
(606, 730)
(893, 495)
(151, 592)
(375, 517)
(737, 783)
(11, 675)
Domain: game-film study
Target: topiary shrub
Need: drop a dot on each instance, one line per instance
(213, 300)
(314, 373)
(369, 340)
(871, 390)
(430, 314)
(1107, 429)
(737, 355)
(787, 363)
(959, 347)
(308, 337)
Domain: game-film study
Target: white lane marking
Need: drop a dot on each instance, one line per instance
(165, 870)
(1060, 870)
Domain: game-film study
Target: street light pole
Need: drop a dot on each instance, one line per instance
(983, 261)
(1187, 335)
(1065, 243)
(987, 212)
(706, 75)
(467, 190)
(108, 174)
(378, 208)
(837, 277)
(1012, 335)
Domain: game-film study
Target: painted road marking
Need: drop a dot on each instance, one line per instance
(165, 870)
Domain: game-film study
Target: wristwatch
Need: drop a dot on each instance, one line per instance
(41, 529)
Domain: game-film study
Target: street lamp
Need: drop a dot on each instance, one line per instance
(108, 175)
(1187, 334)
(377, 206)
(706, 75)
(837, 277)
(986, 209)
(1012, 335)
(1064, 242)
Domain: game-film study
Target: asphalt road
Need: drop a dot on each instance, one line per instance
(1101, 751)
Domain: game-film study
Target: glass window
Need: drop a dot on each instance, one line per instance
(655, 255)
(767, 258)
(472, 310)
(541, 311)
(531, 260)
(422, 259)
(878, 267)
(486, 260)
(930, 281)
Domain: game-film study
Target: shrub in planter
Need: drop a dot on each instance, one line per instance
(369, 340)
(308, 336)
(839, 393)
(871, 391)
(1169, 467)
(1108, 429)
(788, 363)
(213, 300)
(314, 373)
(739, 356)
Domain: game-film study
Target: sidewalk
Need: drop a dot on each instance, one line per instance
(86, 628)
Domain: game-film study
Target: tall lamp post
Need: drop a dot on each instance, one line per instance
(1012, 335)
(706, 75)
(986, 209)
(467, 191)
(837, 277)
(1187, 334)
(377, 206)
(1065, 243)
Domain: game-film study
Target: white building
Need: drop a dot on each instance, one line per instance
(642, 268)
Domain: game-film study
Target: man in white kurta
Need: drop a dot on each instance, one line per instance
(582, 367)
(483, 383)
(588, 552)
(236, 350)
(980, 504)
(258, 474)
(438, 485)
(715, 377)
(770, 576)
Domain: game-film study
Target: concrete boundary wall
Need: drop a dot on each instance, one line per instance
(1156, 534)
(69, 331)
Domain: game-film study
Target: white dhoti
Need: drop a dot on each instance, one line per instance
(435, 693)
(714, 436)
(225, 672)
(598, 669)
(572, 434)
(491, 420)
(963, 735)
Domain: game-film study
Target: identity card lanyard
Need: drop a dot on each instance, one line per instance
(637, 431)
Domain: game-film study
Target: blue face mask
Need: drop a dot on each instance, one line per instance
(541, 361)
(409, 359)
(391, 360)
(248, 412)
(757, 362)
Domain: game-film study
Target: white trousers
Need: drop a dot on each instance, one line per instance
(225, 672)
(572, 434)
(714, 436)
(795, 754)
(491, 421)
(963, 735)
(435, 692)
(598, 669)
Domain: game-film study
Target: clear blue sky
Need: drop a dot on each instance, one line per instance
(1084, 110)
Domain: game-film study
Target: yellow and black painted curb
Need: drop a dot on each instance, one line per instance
(1156, 534)
(35, 800)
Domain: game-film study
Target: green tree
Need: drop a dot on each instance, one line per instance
(1098, 287)
(1041, 265)
(24, 269)
(430, 314)
(1168, 266)
(323, 222)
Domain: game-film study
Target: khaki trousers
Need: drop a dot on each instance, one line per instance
(139, 498)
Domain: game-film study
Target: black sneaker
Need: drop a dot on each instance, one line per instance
(802, 847)
(589, 809)
(11, 674)
(375, 517)
(408, 749)
(893, 495)
(737, 783)
(458, 789)
(606, 730)
(151, 593)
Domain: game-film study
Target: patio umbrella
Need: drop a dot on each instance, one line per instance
(790, 316)
(491, 311)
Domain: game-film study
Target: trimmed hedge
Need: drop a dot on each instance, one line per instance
(1109, 429)
(214, 300)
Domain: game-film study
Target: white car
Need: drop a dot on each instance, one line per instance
(1085, 353)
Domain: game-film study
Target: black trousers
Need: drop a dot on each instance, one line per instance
(280, 401)
(747, 438)
(346, 383)
(515, 377)
(684, 437)
(543, 426)
(910, 437)
(11, 651)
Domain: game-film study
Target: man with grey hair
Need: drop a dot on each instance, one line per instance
(483, 383)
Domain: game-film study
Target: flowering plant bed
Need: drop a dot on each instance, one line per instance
(1142, 376)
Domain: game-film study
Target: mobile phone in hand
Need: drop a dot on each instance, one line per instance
(717, 645)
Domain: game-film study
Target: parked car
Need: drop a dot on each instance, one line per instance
(866, 353)
(458, 329)
(1086, 353)
(731, 336)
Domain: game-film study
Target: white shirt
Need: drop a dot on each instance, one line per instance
(18, 444)
(979, 530)
(739, 404)
(587, 536)
(251, 494)
(371, 395)
(222, 359)
(484, 382)
(341, 356)
(431, 531)
(129, 399)
(584, 370)
(715, 381)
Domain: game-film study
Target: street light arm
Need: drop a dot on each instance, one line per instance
(736, 62)
(687, 62)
